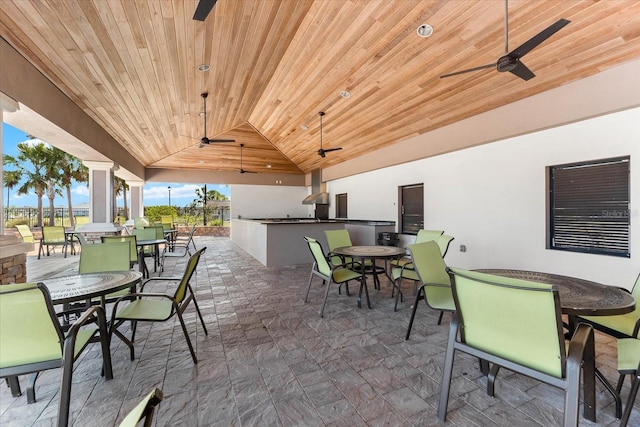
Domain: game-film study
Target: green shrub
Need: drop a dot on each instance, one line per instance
(155, 212)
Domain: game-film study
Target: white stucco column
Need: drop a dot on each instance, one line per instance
(136, 202)
(100, 191)
(9, 105)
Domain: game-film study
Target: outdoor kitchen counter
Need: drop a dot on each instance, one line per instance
(279, 241)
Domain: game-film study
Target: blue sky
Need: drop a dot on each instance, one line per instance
(154, 193)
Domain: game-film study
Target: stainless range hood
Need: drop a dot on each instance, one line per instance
(317, 196)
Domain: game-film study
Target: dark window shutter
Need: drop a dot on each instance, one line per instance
(590, 207)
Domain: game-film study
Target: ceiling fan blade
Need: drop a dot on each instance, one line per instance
(203, 9)
(217, 140)
(245, 171)
(328, 150)
(534, 41)
(522, 71)
(468, 70)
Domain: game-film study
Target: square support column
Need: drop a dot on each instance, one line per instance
(100, 191)
(137, 202)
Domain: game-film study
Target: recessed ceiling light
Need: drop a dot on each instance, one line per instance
(345, 94)
(204, 67)
(268, 166)
(425, 30)
(304, 127)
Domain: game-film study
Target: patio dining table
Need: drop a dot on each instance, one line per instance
(80, 287)
(156, 257)
(371, 252)
(579, 297)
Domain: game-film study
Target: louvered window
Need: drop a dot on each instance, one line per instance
(411, 208)
(589, 207)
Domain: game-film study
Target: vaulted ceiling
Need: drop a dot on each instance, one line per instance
(132, 66)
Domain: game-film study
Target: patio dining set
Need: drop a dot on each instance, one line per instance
(489, 309)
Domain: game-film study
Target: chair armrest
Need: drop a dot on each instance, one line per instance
(89, 316)
(578, 344)
(86, 317)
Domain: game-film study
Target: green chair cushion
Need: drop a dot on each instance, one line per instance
(149, 309)
(628, 354)
(341, 275)
(624, 323)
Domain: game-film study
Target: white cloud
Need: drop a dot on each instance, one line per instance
(35, 141)
(80, 190)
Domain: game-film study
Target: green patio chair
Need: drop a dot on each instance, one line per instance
(140, 222)
(421, 237)
(103, 257)
(53, 235)
(166, 219)
(25, 233)
(622, 325)
(628, 364)
(517, 324)
(159, 235)
(340, 238)
(185, 239)
(443, 243)
(330, 273)
(430, 271)
(133, 248)
(32, 340)
(158, 307)
(146, 251)
(143, 410)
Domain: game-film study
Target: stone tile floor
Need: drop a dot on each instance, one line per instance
(270, 360)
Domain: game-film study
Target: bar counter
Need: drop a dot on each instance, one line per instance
(279, 241)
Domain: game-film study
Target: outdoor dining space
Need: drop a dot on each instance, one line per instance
(269, 358)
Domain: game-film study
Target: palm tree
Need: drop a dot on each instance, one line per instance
(119, 187)
(11, 177)
(72, 170)
(53, 178)
(37, 155)
(202, 195)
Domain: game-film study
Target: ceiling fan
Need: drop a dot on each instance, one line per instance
(242, 170)
(322, 152)
(203, 9)
(510, 61)
(204, 141)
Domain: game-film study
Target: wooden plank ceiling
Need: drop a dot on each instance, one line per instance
(133, 67)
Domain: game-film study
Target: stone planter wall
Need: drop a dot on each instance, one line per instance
(202, 230)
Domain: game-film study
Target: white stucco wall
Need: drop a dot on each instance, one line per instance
(269, 201)
(492, 198)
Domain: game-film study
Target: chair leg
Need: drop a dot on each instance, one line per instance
(632, 397)
(204, 327)
(399, 294)
(306, 296)
(31, 387)
(413, 312)
(14, 385)
(440, 317)
(324, 301)
(447, 370)
(40, 249)
(491, 379)
(186, 336)
(620, 382)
